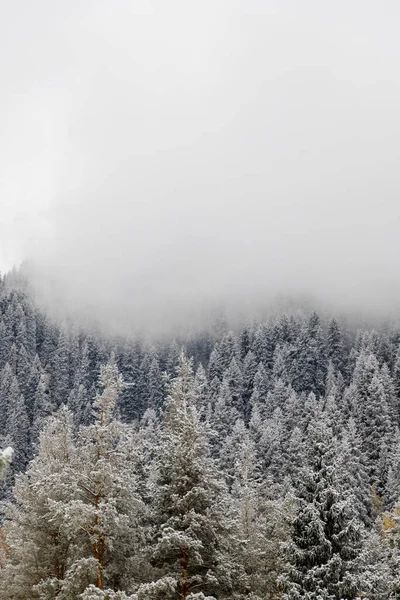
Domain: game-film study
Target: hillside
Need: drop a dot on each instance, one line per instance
(292, 421)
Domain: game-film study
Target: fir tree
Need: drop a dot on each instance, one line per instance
(326, 538)
(39, 544)
(335, 347)
(18, 430)
(190, 532)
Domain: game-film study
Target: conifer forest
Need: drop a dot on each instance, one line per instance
(199, 300)
(260, 463)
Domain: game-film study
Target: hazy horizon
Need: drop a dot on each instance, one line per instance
(162, 159)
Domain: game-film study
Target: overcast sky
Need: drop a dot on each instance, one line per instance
(160, 154)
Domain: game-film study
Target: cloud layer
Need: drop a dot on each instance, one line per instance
(160, 159)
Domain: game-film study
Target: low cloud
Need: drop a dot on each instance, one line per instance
(184, 156)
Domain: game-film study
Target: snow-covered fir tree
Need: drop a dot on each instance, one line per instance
(191, 543)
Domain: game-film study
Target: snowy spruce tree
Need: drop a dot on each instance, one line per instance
(261, 524)
(38, 538)
(105, 509)
(189, 510)
(326, 536)
(74, 525)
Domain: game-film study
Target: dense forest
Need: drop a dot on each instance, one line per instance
(260, 463)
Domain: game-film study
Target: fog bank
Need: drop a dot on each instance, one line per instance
(164, 159)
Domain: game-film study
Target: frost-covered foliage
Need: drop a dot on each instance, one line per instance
(75, 519)
(327, 538)
(190, 502)
(266, 464)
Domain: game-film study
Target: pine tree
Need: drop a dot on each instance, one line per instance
(105, 510)
(6, 340)
(82, 372)
(79, 405)
(6, 379)
(39, 544)
(129, 402)
(326, 539)
(264, 346)
(188, 507)
(309, 368)
(17, 429)
(144, 456)
(396, 376)
(23, 369)
(279, 369)
(378, 567)
(20, 326)
(233, 376)
(335, 347)
(352, 473)
(202, 391)
(262, 384)
(43, 407)
(294, 453)
(376, 432)
(250, 367)
(60, 374)
(35, 375)
(30, 320)
(12, 358)
(224, 415)
(277, 397)
(261, 524)
(271, 445)
(215, 366)
(156, 387)
(228, 351)
(245, 342)
(230, 448)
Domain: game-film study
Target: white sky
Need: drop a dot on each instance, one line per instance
(198, 150)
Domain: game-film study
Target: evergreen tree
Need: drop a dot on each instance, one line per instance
(79, 405)
(245, 342)
(262, 384)
(6, 340)
(378, 568)
(352, 473)
(39, 544)
(60, 373)
(326, 539)
(376, 432)
(250, 367)
(43, 407)
(23, 369)
(18, 429)
(202, 391)
(271, 445)
(264, 346)
(215, 366)
(188, 504)
(105, 509)
(228, 350)
(35, 375)
(6, 380)
(233, 376)
(309, 368)
(224, 415)
(130, 368)
(392, 490)
(335, 347)
(156, 387)
(12, 358)
(261, 524)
